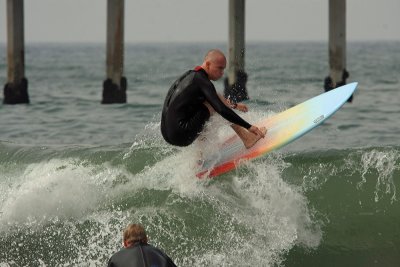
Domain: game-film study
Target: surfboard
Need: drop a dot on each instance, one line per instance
(283, 128)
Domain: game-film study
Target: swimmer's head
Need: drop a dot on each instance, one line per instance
(133, 234)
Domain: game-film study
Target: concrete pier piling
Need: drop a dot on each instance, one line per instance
(337, 45)
(337, 38)
(115, 85)
(235, 83)
(16, 88)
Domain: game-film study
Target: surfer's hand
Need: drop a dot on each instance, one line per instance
(242, 107)
(257, 131)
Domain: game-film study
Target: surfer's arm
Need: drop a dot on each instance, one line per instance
(220, 107)
(242, 107)
(239, 106)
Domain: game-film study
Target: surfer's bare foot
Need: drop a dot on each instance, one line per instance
(251, 139)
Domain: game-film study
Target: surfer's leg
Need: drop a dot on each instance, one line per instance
(200, 143)
(248, 138)
(209, 107)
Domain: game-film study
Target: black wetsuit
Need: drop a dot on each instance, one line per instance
(140, 255)
(184, 114)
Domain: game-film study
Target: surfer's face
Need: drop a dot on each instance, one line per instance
(216, 68)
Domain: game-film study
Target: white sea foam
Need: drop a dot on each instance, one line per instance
(274, 214)
(248, 218)
(55, 189)
(385, 164)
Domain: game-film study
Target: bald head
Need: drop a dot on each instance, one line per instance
(214, 54)
(214, 64)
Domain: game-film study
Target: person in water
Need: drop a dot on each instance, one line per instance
(192, 99)
(137, 252)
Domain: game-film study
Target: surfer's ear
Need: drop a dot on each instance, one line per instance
(208, 63)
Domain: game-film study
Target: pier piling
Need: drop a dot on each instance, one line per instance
(16, 88)
(337, 45)
(115, 85)
(235, 83)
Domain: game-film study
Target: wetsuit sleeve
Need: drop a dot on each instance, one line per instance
(110, 263)
(171, 263)
(214, 100)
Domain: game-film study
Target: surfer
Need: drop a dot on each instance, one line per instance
(192, 99)
(137, 252)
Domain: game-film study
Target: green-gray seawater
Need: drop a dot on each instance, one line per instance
(74, 173)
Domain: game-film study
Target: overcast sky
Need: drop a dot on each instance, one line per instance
(205, 20)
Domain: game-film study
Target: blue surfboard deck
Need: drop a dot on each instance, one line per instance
(283, 128)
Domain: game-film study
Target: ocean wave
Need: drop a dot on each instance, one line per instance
(261, 214)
